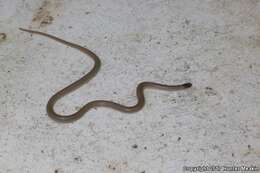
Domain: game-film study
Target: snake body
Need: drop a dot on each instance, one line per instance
(97, 103)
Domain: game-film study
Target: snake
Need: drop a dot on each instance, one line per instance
(96, 103)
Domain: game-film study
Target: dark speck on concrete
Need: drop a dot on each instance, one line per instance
(209, 88)
(210, 91)
(111, 167)
(187, 22)
(2, 36)
(78, 159)
(179, 138)
(134, 146)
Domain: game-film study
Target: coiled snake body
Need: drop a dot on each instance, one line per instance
(97, 103)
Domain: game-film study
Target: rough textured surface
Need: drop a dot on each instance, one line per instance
(214, 44)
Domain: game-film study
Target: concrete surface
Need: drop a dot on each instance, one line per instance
(214, 44)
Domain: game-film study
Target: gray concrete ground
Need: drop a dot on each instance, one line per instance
(214, 44)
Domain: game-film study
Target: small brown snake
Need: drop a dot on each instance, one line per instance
(97, 103)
